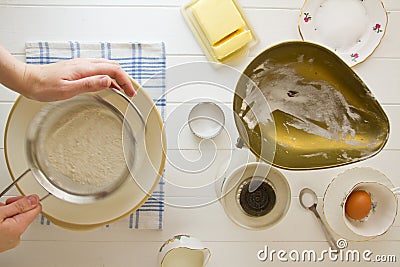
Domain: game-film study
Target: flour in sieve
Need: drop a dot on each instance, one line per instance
(86, 146)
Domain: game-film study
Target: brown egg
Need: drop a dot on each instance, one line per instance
(358, 205)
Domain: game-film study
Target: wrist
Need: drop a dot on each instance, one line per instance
(29, 80)
(11, 71)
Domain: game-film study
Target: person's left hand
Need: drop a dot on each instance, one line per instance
(65, 79)
(15, 216)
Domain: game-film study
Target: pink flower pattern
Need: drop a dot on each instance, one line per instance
(307, 17)
(354, 56)
(377, 28)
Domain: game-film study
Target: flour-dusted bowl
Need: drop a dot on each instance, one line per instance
(299, 106)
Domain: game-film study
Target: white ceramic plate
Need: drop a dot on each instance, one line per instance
(335, 195)
(130, 196)
(351, 28)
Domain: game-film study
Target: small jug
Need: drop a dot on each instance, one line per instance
(183, 251)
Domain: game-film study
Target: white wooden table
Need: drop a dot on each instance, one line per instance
(160, 20)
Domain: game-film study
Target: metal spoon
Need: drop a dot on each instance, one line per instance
(312, 205)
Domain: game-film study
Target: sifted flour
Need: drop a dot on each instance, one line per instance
(86, 146)
(316, 106)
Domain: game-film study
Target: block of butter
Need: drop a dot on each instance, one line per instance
(222, 26)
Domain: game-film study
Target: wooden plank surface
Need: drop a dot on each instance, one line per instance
(160, 20)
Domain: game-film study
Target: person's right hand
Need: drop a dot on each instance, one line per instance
(15, 217)
(65, 79)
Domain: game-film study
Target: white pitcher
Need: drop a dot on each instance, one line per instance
(183, 251)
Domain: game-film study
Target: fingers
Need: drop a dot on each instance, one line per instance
(15, 217)
(80, 61)
(23, 220)
(96, 67)
(117, 73)
(115, 85)
(89, 84)
(13, 227)
(101, 60)
(13, 199)
(19, 206)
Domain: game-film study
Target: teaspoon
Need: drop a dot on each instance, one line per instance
(309, 200)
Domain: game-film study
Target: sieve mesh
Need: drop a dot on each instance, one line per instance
(75, 148)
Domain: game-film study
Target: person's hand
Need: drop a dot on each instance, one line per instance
(65, 79)
(15, 216)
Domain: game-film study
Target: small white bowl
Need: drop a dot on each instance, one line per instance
(206, 120)
(231, 188)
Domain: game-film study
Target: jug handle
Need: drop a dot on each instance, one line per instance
(396, 190)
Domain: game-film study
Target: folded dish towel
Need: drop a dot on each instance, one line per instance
(141, 62)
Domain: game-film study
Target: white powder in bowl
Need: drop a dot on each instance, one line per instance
(86, 146)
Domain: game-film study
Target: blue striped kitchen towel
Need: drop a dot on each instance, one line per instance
(143, 62)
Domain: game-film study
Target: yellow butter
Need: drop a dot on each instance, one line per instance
(222, 24)
(232, 43)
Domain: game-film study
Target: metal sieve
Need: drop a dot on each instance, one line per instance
(62, 185)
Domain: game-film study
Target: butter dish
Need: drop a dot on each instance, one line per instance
(221, 28)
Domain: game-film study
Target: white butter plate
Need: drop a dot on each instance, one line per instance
(351, 28)
(336, 193)
(221, 12)
(130, 196)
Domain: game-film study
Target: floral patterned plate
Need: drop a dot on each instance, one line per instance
(336, 193)
(351, 28)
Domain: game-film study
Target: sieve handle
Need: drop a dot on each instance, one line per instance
(15, 181)
(46, 196)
